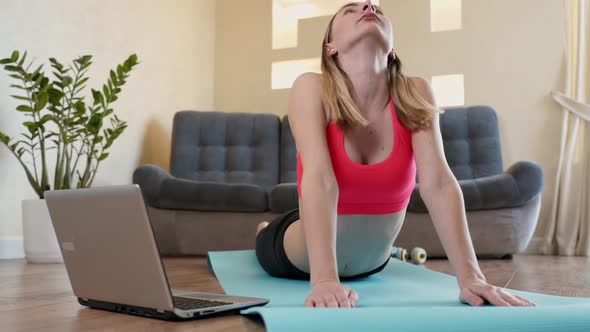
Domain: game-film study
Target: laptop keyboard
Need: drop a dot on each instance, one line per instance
(186, 303)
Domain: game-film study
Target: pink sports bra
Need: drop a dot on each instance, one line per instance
(380, 188)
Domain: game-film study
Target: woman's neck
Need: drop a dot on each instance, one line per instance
(366, 66)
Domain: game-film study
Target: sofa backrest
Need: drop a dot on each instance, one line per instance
(470, 136)
(471, 141)
(226, 147)
(288, 171)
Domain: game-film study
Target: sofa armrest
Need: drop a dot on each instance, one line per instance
(516, 186)
(529, 178)
(150, 177)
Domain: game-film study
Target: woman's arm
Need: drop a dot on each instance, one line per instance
(443, 198)
(442, 195)
(445, 205)
(318, 213)
(319, 190)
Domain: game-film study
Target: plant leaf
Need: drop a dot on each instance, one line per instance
(55, 96)
(47, 117)
(113, 77)
(24, 108)
(85, 59)
(105, 90)
(67, 80)
(78, 90)
(97, 96)
(22, 60)
(20, 97)
(12, 68)
(80, 107)
(4, 138)
(82, 81)
(38, 69)
(56, 64)
(16, 86)
(14, 56)
(42, 102)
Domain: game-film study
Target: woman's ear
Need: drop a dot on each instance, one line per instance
(330, 49)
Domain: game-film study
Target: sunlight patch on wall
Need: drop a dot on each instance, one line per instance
(287, 13)
(449, 90)
(284, 73)
(445, 15)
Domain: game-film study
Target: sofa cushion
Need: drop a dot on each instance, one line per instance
(164, 191)
(222, 147)
(283, 197)
(185, 194)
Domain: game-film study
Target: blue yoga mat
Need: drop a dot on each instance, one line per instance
(401, 297)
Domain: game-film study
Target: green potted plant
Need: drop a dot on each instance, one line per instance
(64, 138)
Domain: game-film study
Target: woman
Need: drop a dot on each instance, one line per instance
(362, 130)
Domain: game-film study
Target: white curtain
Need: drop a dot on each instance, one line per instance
(568, 230)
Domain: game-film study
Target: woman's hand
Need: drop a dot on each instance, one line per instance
(475, 292)
(331, 294)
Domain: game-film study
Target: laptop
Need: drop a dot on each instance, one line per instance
(112, 258)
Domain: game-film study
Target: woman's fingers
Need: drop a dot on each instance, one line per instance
(523, 299)
(354, 297)
(343, 300)
(319, 303)
(491, 294)
(514, 299)
(510, 298)
(471, 298)
(331, 300)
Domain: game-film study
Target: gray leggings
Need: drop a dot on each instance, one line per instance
(271, 255)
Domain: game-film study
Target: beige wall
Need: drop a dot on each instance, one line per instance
(510, 52)
(174, 41)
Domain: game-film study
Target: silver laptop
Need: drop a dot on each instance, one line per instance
(112, 257)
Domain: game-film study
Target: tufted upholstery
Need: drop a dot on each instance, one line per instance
(473, 151)
(471, 141)
(288, 152)
(284, 197)
(220, 161)
(226, 147)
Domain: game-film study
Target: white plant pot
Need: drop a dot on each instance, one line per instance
(40, 242)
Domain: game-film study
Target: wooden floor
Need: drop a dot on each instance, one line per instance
(39, 298)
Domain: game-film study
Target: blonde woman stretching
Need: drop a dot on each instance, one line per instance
(362, 130)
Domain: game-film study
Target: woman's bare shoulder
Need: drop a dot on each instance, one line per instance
(313, 83)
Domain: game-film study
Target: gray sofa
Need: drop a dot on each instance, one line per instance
(229, 171)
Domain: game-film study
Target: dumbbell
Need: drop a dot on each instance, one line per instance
(399, 253)
(416, 256)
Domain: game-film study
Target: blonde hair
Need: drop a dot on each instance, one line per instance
(412, 109)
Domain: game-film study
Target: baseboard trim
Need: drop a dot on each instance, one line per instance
(11, 247)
